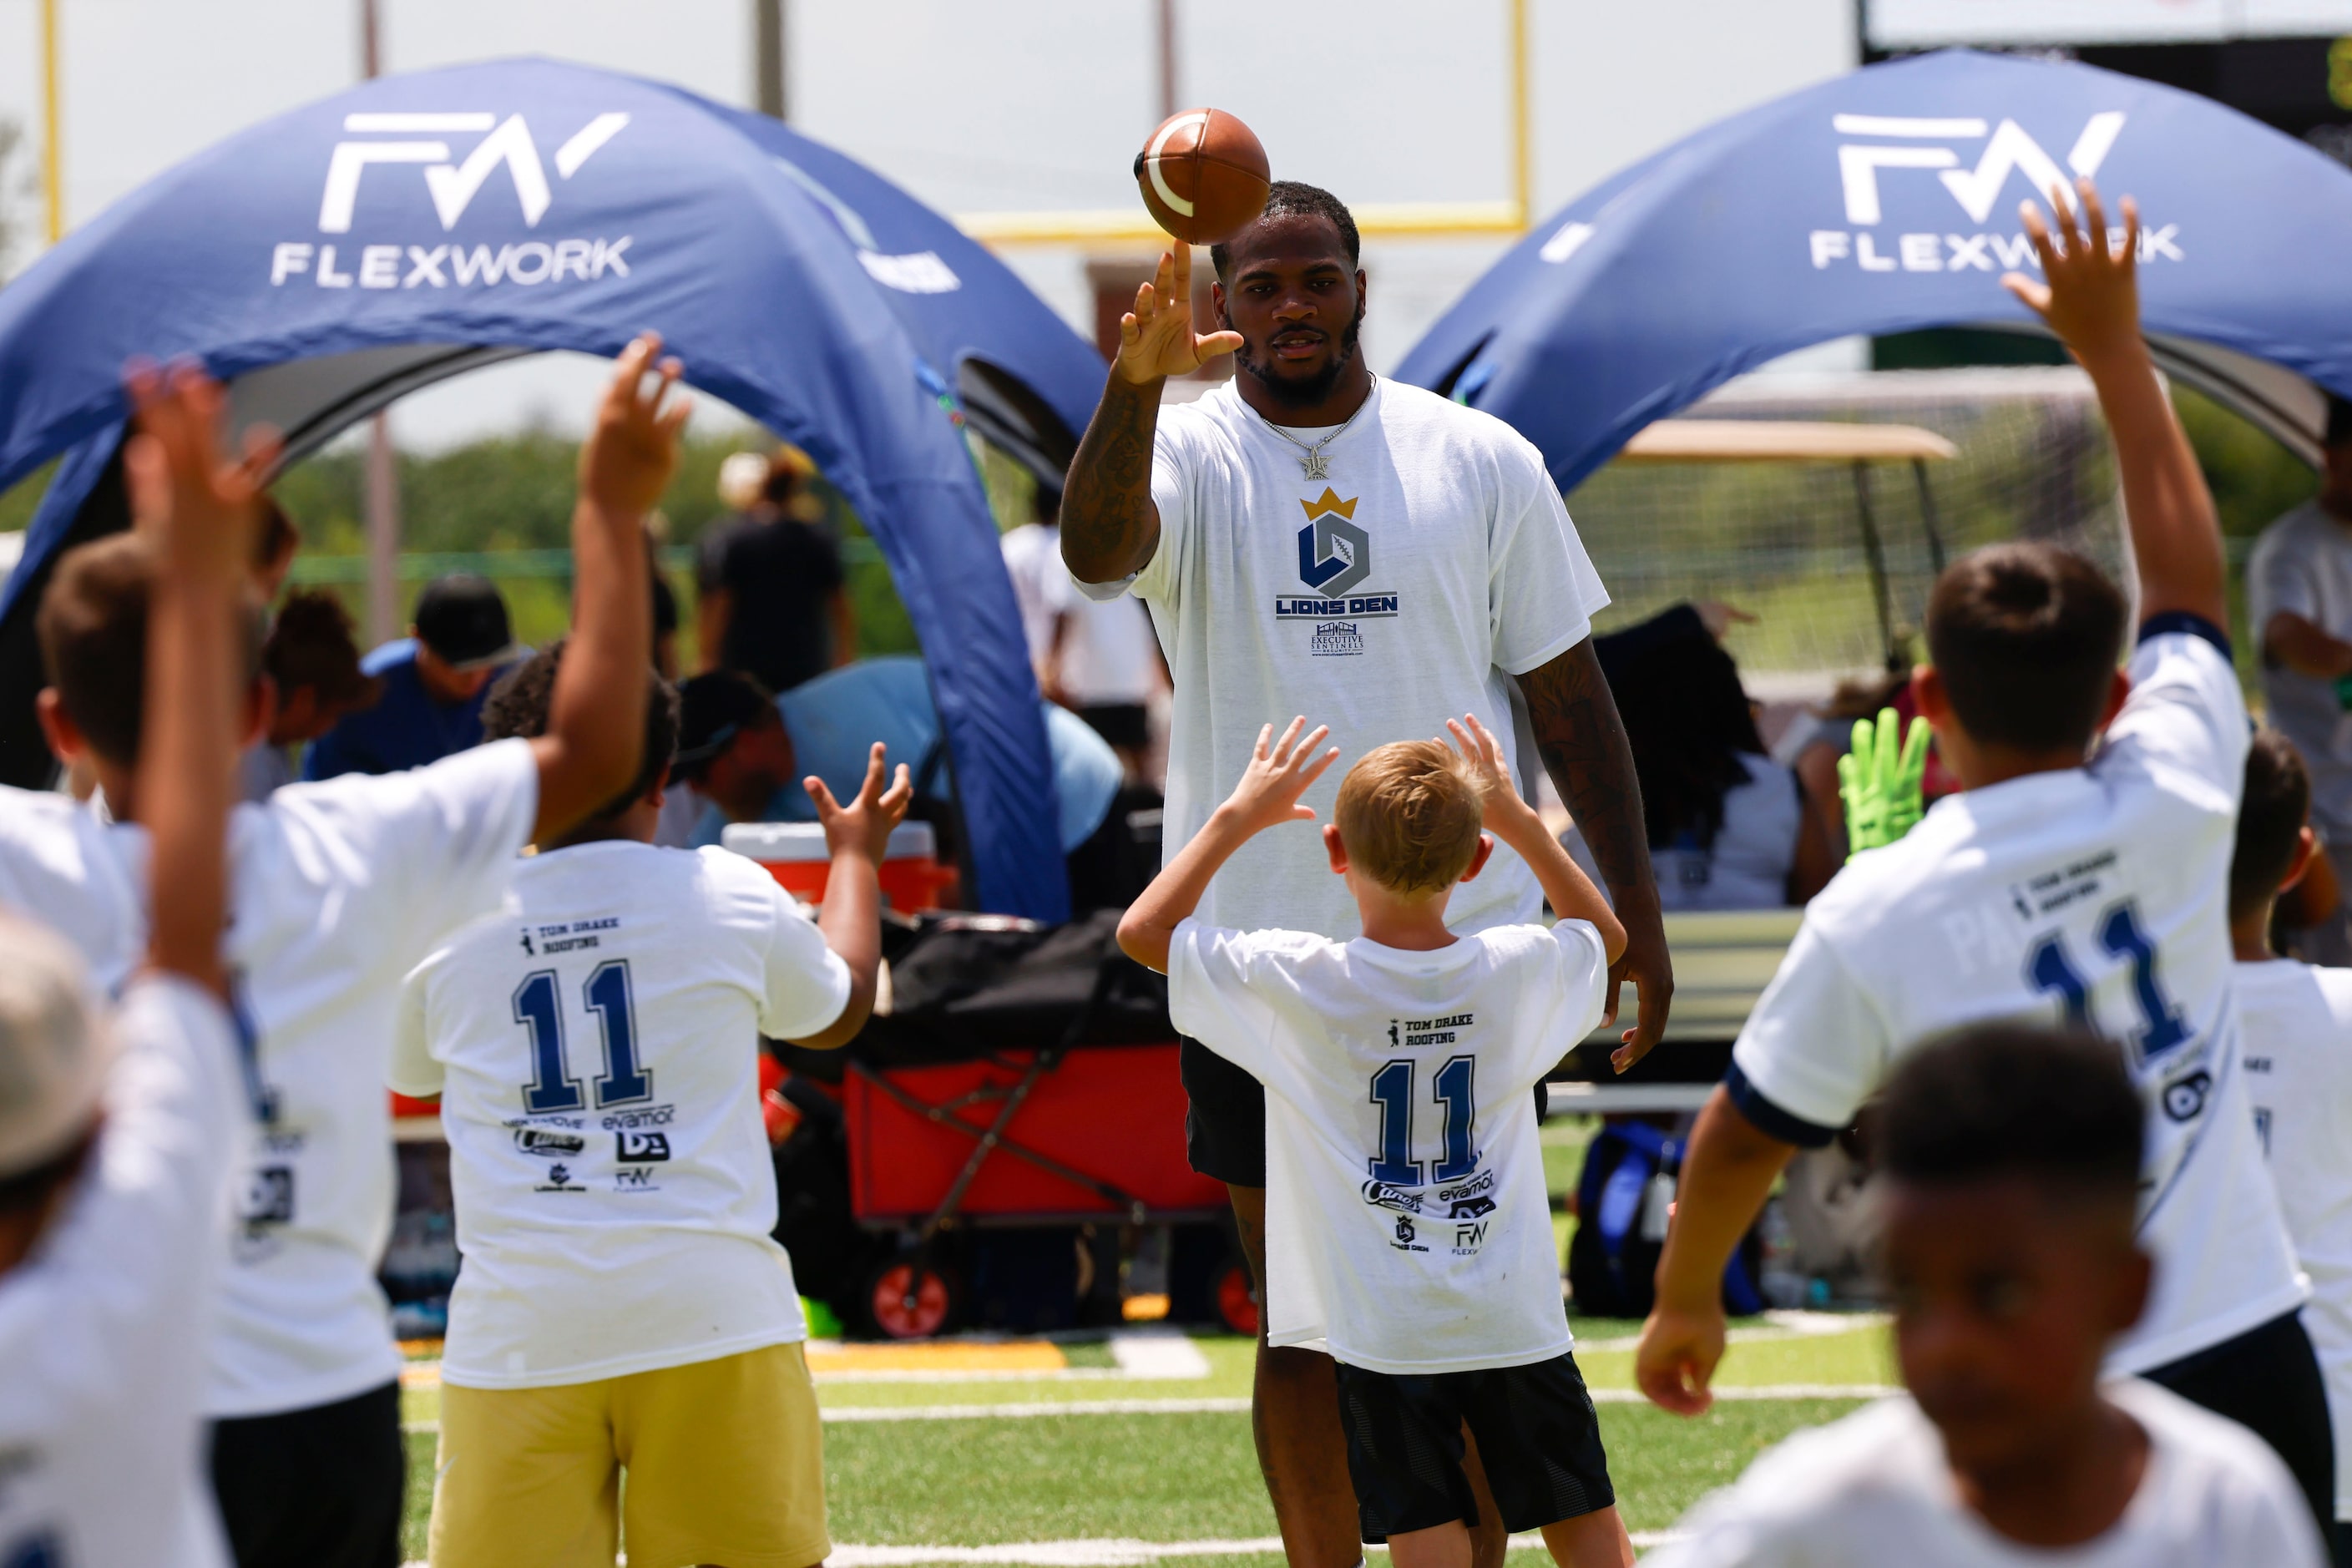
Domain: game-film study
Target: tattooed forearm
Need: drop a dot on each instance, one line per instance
(1583, 744)
(1110, 526)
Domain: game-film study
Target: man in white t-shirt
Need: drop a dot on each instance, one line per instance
(2010, 1155)
(1411, 1236)
(2299, 599)
(338, 888)
(2060, 883)
(622, 1302)
(1312, 539)
(119, 1128)
(2297, 1023)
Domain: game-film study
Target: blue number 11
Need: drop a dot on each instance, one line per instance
(1453, 1091)
(538, 1009)
(2162, 1025)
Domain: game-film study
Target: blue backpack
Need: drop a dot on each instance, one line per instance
(1622, 1199)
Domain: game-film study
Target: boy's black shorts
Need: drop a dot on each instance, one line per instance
(1224, 1120)
(1537, 1438)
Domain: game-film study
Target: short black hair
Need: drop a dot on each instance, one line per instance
(2008, 1098)
(2025, 637)
(93, 629)
(2277, 803)
(1293, 198)
(519, 704)
(2339, 421)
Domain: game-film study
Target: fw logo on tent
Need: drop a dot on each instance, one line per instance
(417, 140)
(1892, 142)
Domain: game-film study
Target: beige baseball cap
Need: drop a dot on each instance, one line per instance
(55, 1050)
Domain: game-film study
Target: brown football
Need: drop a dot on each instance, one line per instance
(1202, 174)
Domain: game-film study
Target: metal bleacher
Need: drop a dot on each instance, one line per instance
(1722, 963)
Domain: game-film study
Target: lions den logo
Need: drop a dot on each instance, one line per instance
(1335, 556)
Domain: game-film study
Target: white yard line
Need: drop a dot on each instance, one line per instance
(1161, 1355)
(1031, 1409)
(1788, 1325)
(1099, 1553)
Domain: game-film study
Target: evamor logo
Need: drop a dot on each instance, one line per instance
(420, 143)
(1978, 162)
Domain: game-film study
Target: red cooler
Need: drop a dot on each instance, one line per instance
(793, 852)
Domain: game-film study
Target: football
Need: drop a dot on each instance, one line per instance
(1202, 174)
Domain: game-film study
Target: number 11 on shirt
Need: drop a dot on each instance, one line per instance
(1392, 1092)
(538, 1009)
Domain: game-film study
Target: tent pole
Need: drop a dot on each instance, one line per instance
(1872, 553)
(382, 470)
(1522, 109)
(1167, 19)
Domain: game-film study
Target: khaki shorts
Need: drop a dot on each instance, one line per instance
(725, 1463)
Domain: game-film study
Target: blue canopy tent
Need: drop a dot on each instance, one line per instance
(1883, 202)
(330, 260)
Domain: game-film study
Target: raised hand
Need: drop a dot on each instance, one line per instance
(2091, 297)
(1156, 339)
(1279, 772)
(863, 827)
(1477, 746)
(1884, 791)
(201, 511)
(629, 457)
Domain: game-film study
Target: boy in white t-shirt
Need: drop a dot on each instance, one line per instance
(595, 1050)
(118, 1132)
(2011, 1155)
(338, 888)
(2063, 883)
(2297, 1023)
(1406, 1219)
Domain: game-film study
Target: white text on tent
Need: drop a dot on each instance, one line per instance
(532, 262)
(1965, 252)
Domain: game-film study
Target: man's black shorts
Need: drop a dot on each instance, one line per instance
(1224, 1125)
(2268, 1381)
(322, 1488)
(1537, 1438)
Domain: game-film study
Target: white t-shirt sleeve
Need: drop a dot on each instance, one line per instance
(1541, 589)
(1176, 453)
(2185, 713)
(1573, 977)
(1212, 975)
(806, 984)
(415, 1070)
(2279, 578)
(1814, 1047)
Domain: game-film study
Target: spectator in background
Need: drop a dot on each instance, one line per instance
(665, 599)
(743, 754)
(434, 683)
(312, 659)
(2299, 597)
(774, 601)
(1101, 659)
(1729, 828)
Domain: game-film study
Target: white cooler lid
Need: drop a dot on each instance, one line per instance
(787, 842)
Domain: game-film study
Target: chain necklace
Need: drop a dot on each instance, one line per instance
(1315, 465)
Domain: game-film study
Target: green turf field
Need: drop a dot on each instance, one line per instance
(912, 1464)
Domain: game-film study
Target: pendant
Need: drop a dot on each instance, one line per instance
(1314, 467)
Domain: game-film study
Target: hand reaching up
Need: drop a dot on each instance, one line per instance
(2091, 297)
(1156, 339)
(199, 510)
(629, 457)
(863, 827)
(1279, 772)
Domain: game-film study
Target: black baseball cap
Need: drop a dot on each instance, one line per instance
(713, 708)
(462, 618)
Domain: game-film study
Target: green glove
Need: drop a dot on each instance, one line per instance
(1884, 793)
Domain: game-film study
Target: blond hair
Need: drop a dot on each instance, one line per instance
(1409, 814)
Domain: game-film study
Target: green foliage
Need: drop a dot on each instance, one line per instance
(2254, 479)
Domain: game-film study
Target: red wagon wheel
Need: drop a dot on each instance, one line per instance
(906, 1308)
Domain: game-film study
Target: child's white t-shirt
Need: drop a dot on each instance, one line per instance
(597, 1052)
(1406, 1217)
(1874, 1489)
(2297, 1023)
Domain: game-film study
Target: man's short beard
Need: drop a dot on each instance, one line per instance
(1309, 390)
